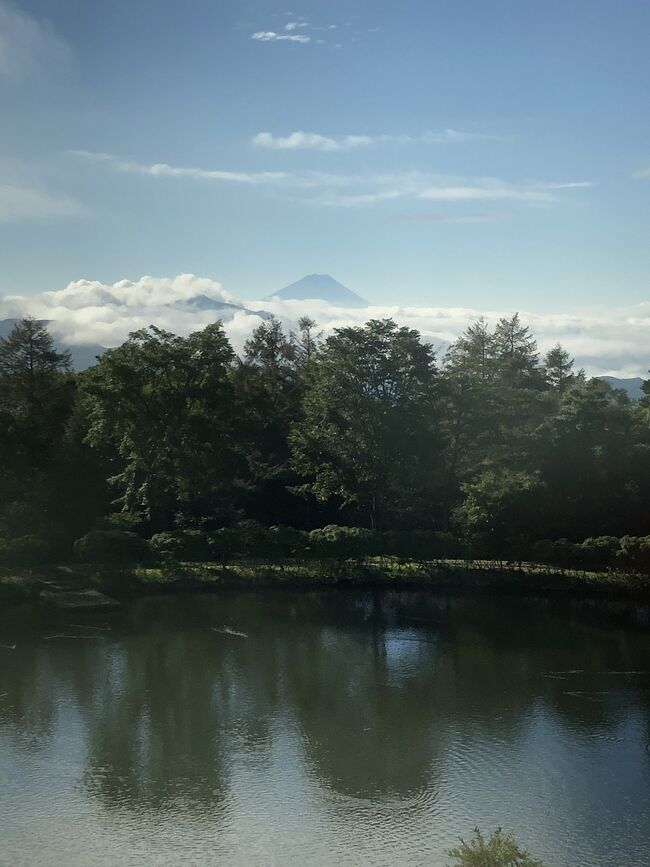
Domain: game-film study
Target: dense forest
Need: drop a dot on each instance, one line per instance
(364, 435)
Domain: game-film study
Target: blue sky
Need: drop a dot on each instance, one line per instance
(486, 153)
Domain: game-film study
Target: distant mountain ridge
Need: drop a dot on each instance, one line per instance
(320, 287)
(199, 303)
(632, 385)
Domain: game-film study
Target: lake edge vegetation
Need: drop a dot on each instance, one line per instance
(356, 453)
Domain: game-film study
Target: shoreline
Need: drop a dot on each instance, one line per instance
(40, 585)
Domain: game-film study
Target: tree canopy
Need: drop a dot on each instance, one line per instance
(493, 445)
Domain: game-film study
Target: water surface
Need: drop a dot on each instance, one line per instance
(341, 728)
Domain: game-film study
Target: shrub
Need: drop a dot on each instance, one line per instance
(182, 545)
(111, 546)
(599, 552)
(499, 850)
(251, 539)
(223, 544)
(634, 554)
(431, 545)
(27, 550)
(343, 543)
(165, 546)
(289, 541)
(560, 552)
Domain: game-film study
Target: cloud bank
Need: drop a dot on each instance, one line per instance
(610, 341)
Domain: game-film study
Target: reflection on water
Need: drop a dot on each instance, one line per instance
(340, 728)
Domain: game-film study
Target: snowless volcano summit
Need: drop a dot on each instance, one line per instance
(320, 287)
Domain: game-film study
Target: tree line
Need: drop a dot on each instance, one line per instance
(490, 449)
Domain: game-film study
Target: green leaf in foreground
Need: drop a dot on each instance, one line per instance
(499, 850)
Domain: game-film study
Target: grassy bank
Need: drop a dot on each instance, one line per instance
(390, 572)
(447, 575)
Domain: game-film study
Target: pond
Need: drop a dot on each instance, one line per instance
(335, 727)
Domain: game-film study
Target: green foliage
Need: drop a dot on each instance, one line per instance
(598, 552)
(111, 546)
(634, 554)
(163, 406)
(558, 366)
(289, 541)
(515, 352)
(368, 439)
(629, 553)
(499, 850)
(497, 455)
(342, 543)
(36, 400)
(560, 552)
(497, 509)
(27, 550)
(224, 544)
(270, 384)
(246, 540)
(424, 545)
(177, 545)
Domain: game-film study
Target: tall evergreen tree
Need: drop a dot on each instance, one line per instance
(558, 366)
(36, 399)
(35, 393)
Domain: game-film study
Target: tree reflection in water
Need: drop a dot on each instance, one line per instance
(380, 694)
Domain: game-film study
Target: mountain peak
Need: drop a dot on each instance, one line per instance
(320, 287)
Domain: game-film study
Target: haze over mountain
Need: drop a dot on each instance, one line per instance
(320, 287)
(88, 315)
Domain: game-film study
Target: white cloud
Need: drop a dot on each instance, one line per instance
(316, 141)
(88, 311)
(145, 292)
(19, 204)
(295, 25)
(450, 136)
(491, 188)
(496, 189)
(332, 189)
(423, 187)
(356, 199)
(165, 170)
(610, 341)
(26, 44)
(271, 36)
(643, 173)
(301, 140)
(607, 341)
